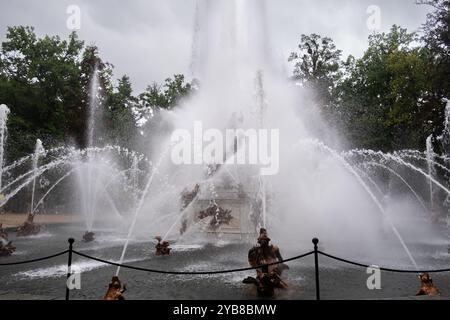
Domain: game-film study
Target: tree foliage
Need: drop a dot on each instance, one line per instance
(393, 97)
(156, 99)
(40, 82)
(382, 101)
(46, 84)
(317, 66)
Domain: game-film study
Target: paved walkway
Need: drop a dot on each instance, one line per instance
(23, 296)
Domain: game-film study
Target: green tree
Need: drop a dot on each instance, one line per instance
(92, 65)
(317, 67)
(39, 80)
(46, 83)
(121, 120)
(382, 101)
(165, 96)
(437, 39)
(156, 99)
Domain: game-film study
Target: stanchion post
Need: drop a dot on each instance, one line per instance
(69, 267)
(316, 265)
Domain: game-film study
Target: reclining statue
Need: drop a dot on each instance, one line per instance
(162, 247)
(427, 286)
(115, 290)
(28, 228)
(89, 236)
(6, 247)
(268, 278)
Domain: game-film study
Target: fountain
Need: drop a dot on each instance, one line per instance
(445, 137)
(38, 151)
(431, 170)
(261, 107)
(94, 169)
(135, 173)
(316, 187)
(94, 105)
(342, 197)
(29, 227)
(101, 182)
(92, 178)
(4, 112)
(139, 206)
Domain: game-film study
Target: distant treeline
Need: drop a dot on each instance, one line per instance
(391, 98)
(394, 96)
(45, 82)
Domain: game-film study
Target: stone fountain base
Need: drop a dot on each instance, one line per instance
(228, 215)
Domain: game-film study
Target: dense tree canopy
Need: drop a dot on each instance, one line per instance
(317, 66)
(383, 101)
(46, 84)
(154, 101)
(40, 82)
(437, 40)
(393, 97)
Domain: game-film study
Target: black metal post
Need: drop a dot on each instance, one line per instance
(69, 267)
(316, 263)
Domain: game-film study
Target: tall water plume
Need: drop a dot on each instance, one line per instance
(38, 152)
(313, 194)
(4, 112)
(431, 169)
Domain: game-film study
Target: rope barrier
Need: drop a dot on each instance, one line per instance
(190, 272)
(35, 260)
(316, 253)
(223, 271)
(381, 268)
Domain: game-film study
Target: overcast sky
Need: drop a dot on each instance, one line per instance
(150, 40)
